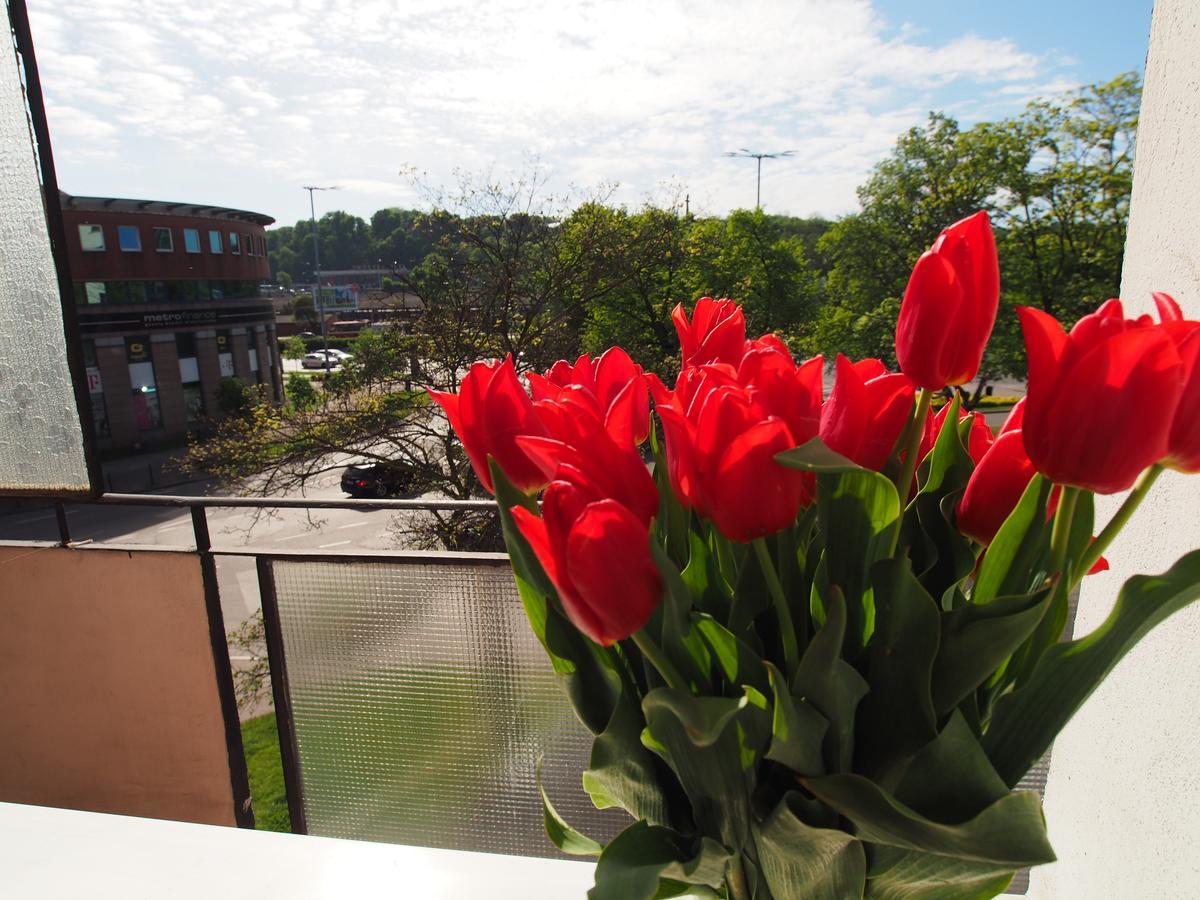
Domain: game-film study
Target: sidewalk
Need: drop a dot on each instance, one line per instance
(143, 472)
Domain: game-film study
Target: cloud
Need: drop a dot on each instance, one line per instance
(251, 96)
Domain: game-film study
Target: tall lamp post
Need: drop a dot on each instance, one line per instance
(318, 301)
(750, 154)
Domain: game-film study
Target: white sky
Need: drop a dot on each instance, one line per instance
(240, 102)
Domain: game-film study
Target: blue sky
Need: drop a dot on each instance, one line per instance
(236, 103)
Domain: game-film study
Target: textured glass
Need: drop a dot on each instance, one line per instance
(41, 443)
(422, 702)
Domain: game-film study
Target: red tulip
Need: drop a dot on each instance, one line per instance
(613, 380)
(597, 554)
(489, 411)
(579, 443)
(786, 390)
(866, 411)
(1183, 443)
(949, 306)
(1101, 400)
(717, 332)
(995, 487)
(979, 438)
(721, 447)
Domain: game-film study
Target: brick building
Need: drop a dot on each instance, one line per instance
(168, 304)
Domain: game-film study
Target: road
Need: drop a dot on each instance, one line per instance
(326, 529)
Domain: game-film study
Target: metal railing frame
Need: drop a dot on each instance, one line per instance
(276, 652)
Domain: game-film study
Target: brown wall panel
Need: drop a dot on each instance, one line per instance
(108, 697)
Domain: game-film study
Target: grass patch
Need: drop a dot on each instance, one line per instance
(260, 738)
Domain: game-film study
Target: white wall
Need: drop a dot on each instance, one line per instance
(1123, 799)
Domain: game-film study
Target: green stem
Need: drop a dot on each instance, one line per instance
(738, 889)
(1118, 521)
(659, 660)
(1060, 536)
(912, 445)
(791, 650)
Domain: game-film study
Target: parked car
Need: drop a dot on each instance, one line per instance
(341, 355)
(376, 480)
(317, 360)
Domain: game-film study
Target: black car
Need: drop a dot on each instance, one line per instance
(376, 480)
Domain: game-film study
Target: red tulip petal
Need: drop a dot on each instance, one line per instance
(995, 487)
(1111, 414)
(928, 314)
(1168, 309)
(1016, 417)
(1184, 441)
(845, 415)
(608, 561)
(752, 495)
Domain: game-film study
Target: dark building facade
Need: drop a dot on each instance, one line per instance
(168, 304)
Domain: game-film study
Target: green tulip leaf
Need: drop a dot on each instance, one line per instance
(735, 660)
(703, 718)
(797, 730)
(679, 640)
(562, 835)
(719, 776)
(621, 772)
(816, 456)
(1018, 550)
(801, 862)
(950, 779)
(859, 513)
(1026, 721)
(1010, 833)
(635, 862)
(831, 685)
(897, 874)
(942, 556)
(977, 639)
(704, 582)
(897, 715)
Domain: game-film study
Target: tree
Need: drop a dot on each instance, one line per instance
(1056, 180)
(284, 279)
(300, 392)
(293, 347)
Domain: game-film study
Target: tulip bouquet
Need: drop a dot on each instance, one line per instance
(820, 640)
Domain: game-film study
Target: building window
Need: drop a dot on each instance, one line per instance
(250, 245)
(233, 243)
(191, 240)
(189, 375)
(225, 353)
(95, 292)
(91, 238)
(129, 238)
(214, 241)
(254, 365)
(162, 240)
(141, 381)
(95, 389)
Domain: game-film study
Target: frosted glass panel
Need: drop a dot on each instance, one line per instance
(41, 443)
(422, 702)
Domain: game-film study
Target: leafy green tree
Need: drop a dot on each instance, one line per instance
(283, 279)
(293, 347)
(300, 392)
(747, 257)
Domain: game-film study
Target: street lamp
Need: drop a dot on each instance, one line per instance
(750, 154)
(318, 302)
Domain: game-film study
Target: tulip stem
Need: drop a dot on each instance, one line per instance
(912, 445)
(1060, 535)
(659, 660)
(1118, 521)
(787, 629)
